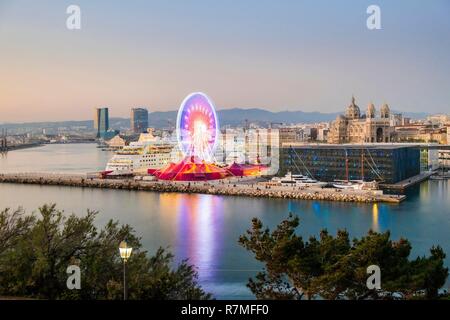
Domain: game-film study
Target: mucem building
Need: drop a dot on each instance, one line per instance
(381, 162)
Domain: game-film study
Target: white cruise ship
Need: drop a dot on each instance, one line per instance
(149, 152)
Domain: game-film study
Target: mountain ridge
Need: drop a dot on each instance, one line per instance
(227, 117)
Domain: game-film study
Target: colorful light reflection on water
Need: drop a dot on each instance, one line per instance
(199, 236)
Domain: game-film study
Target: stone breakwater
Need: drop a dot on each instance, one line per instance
(224, 189)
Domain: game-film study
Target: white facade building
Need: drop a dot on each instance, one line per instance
(249, 146)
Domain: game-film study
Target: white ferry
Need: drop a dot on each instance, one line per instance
(148, 152)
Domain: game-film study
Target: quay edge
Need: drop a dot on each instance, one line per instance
(207, 188)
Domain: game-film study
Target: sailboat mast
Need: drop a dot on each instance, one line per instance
(346, 166)
(362, 164)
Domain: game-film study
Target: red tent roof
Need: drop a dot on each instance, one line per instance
(191, 169)
(245, 169)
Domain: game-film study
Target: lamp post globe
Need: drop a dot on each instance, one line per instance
(125, 251)
(125, 254)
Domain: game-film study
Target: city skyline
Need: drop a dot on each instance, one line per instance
(296, 56)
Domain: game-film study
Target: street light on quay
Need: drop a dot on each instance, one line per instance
(125, 254)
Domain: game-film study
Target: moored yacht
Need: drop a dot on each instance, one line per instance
(297, 180)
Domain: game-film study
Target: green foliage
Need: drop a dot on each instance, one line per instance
(13, 226)
(36, 251)
(336, 268)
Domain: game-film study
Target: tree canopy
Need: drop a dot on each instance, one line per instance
(335, 267)
(35, 251)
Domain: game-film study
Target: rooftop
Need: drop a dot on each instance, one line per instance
(365, 145)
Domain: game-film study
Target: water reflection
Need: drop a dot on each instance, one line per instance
(74, 158)
(424, 192)
(375, 217)
(322, 213)
(199, 231)
(441, 188)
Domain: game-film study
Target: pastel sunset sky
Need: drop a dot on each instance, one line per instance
(278, 55)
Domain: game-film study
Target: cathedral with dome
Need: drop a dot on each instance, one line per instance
(354, 127)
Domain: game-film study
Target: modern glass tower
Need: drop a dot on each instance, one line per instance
(101, 121)
(139, 120)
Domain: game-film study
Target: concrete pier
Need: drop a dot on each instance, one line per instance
(228, 187)
(404, 184)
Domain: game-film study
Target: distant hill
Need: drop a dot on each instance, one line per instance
(232, 117)
(237, 116)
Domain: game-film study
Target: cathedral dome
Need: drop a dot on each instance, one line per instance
(385, 111)
(353, 111)
(370, 111)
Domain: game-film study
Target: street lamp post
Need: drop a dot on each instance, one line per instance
(125, 253)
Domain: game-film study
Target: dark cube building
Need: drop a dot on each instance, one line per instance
(385, 163)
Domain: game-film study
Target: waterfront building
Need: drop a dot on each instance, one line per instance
(322, 134)
(101, 122)
(139, 120)
(429, 159)
(117, 142)
(444, 159)
(354, 127)
(290, 134)
(313, 134)
(250, 146)
(444, 155)
(408, 133)
(397, 119)
(448, 135)
(426, 133)
(438, 135)
(263, 148)
(388, 163)
(231, 146)
(304, 132)
(438, 119)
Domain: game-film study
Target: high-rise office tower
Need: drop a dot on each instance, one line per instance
(139, 120)
(101, 121)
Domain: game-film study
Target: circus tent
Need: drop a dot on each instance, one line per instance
(244, 170)
(191, 169)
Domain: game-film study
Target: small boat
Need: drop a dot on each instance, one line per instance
(356, 184)
(340, 184)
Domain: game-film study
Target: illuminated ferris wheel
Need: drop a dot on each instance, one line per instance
(197, 127)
